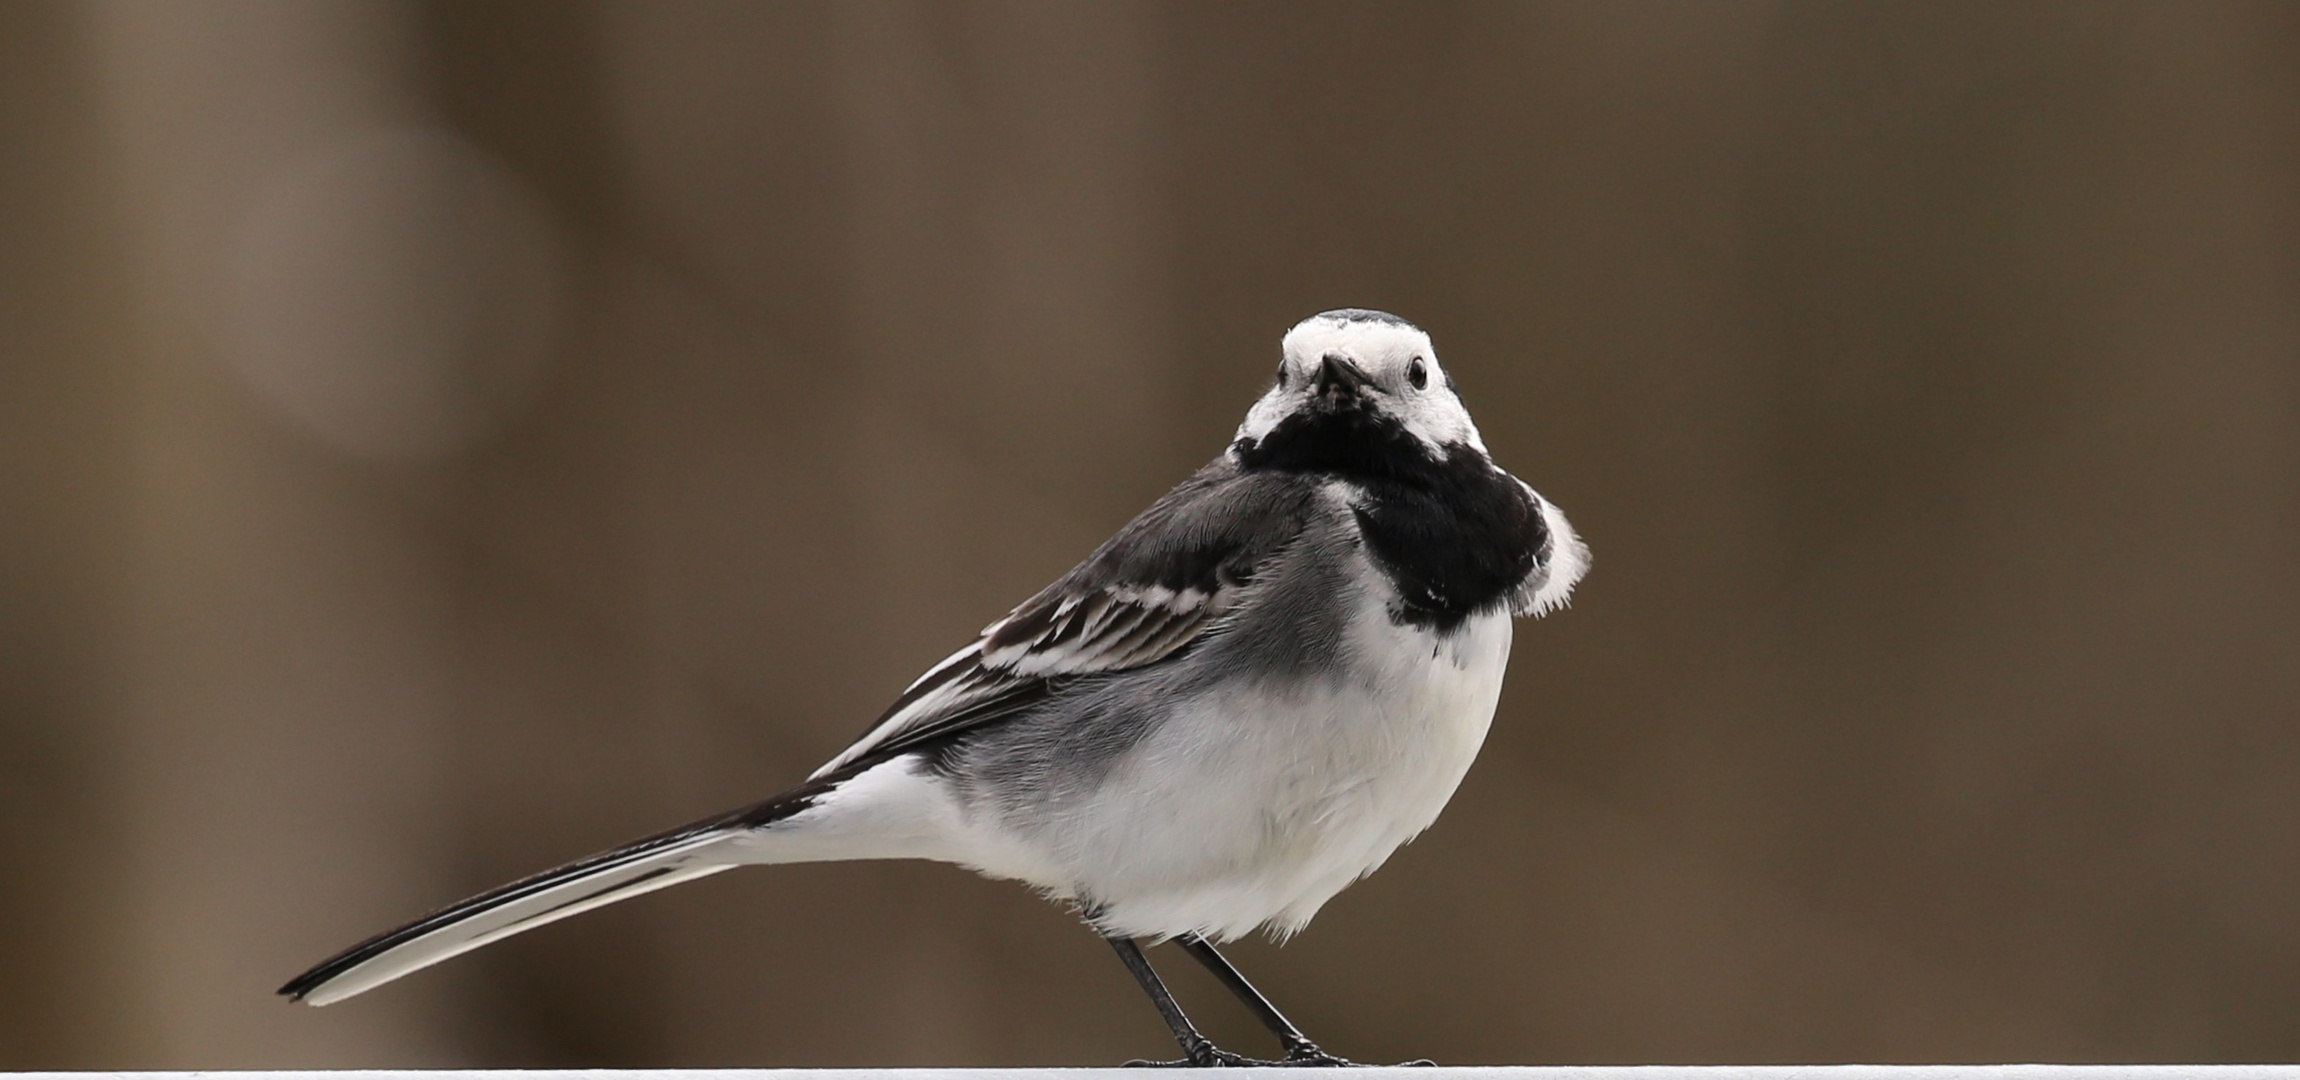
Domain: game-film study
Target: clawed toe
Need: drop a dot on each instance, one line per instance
(1312, 1057)
(1308, 1055)
(1300, 1057)
(1204, 1056)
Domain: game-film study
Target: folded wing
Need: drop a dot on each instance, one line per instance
(1145, 596)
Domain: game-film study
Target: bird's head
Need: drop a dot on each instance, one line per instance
(1353, 386)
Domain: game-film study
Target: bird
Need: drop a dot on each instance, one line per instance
(1240, 704)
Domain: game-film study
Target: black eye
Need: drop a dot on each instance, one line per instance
(1281, 374)
(1418, 373)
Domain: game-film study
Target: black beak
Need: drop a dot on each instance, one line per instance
(1337, 376)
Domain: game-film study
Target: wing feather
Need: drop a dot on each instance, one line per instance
(1159, 585)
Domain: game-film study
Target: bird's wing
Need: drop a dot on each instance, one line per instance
(1154, 588)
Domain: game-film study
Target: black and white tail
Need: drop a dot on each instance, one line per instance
(659, 861)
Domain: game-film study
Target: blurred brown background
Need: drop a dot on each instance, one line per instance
(440, 439)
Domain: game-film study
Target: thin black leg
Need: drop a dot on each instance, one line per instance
(1299, 1048)
(1196, 1049)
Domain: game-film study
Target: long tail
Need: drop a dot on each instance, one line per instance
(643, 866)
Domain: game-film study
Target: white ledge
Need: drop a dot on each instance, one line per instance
(1481, 1072)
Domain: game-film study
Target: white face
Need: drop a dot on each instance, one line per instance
(1401, 378)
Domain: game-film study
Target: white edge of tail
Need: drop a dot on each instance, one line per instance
(491, 917)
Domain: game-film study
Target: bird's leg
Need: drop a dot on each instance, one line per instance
(1299, 1049)
(1196, 1049)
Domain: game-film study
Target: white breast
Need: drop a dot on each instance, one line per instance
(1258, 805)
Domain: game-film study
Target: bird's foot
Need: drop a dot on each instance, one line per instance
(1202, 1055)
(1303, 1055)
(1306, 1054)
